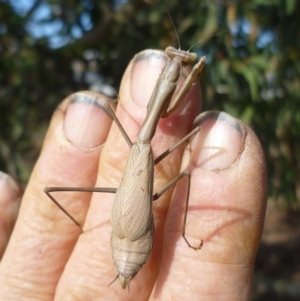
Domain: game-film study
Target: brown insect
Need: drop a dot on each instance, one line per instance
(131, 217)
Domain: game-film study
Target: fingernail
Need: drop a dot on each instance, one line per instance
(87, 122)
(146, 69)
(220, 141)
(9, 189)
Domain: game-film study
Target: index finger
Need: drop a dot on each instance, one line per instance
(43, 237)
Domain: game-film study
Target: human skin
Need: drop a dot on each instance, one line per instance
(48, 258)
(10, 195)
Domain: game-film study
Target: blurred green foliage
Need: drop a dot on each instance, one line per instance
(252, 71)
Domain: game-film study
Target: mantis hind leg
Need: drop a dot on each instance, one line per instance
(184, 173)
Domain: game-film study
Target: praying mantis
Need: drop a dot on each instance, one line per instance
(131, 217)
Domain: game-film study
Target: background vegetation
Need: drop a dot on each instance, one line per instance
(49, 49)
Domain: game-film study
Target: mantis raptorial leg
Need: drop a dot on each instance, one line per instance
(131, 217)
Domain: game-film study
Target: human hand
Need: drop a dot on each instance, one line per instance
(10, 196)
(47, 259)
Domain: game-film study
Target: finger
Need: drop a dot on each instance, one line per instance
(91, 267)
(44, 237)
(9, 207)
(226, 210)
